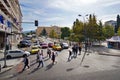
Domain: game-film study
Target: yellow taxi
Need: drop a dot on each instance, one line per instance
(57, 47)
(34, 50)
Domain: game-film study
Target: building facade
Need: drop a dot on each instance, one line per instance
(111, 23)
(10, 22)
(48, 30)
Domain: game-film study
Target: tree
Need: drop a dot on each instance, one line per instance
(91, 28)
(118, 23)
(43, 33)
(108, 31)
(99, 34)
(118, 31)
(65, 32)
(53, 34)
(77, 30)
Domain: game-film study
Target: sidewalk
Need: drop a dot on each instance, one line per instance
(104, 50)
(10, 62)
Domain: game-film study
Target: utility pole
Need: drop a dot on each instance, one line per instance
(5, 46)
(85, 36)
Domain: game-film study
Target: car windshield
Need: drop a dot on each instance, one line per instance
(57, 45)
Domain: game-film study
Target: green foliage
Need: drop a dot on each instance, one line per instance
(108, 31)
(53, 34)
(77, 31)
(118, 23)
(119, 31)
(87, 30)
(65, 32)
(43, 33)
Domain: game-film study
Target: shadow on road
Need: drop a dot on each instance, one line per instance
(69, 69)
(34, 70)
(49, 66)
(15, 75)
(86, 66)
(33, 64)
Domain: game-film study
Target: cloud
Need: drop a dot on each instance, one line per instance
(107, 17)
(64, 12)
(54, 19)
(107, 3)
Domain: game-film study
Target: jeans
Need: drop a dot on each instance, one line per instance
(40, 62)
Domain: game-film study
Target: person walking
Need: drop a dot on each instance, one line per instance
(80, 48)
(37, 56)
(53, 58)
(40, 60)
(26, 63)
(73, 50)
(49, 53)
(76, 50)
(70, 53)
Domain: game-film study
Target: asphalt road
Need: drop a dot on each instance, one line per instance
(94, 67)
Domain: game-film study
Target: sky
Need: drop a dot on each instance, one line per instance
(64, 12)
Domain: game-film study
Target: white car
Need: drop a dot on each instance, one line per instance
(64, 45)
(16, 53)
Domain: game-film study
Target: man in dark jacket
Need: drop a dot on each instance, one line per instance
(26, 62)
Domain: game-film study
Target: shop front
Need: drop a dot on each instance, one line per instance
(114, 42)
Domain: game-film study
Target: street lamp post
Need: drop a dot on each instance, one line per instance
(85, 32)
(85, 36)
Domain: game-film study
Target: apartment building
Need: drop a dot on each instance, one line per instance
(10, 22)
(111, 23)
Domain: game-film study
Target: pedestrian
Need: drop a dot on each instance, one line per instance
(73, 50)
(49, 53)
(26, 62)
(37, 56)
(53, 58)
(40, 60)
(80, 48)
(76, 50)
(70, 53)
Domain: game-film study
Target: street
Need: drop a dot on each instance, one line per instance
(94, 67)
(59, 40)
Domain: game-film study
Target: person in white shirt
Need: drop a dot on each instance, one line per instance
(40, 61)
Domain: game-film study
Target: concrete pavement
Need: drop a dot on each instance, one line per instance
(10, 62)
(93, 64)
(104, 50)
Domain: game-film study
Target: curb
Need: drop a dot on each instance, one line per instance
(4, 71)
(10, 67)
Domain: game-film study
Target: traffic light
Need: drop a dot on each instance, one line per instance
(36, 22)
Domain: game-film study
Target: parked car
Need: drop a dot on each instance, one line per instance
(34, 50)
(64, 45)
(37, 45)
(24, 43)
(16, 53)
(50, 45)
(57, 47)
(44, 45)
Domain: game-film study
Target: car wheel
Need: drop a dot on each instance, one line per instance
(9, 57)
